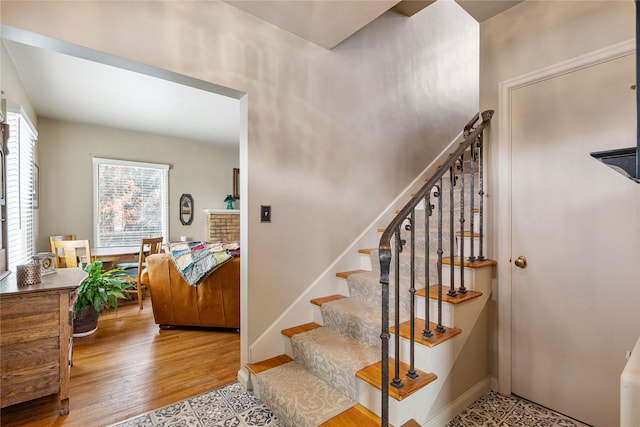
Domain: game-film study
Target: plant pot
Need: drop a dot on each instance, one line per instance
(85, 322)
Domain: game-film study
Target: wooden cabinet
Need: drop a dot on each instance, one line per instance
(36, 337)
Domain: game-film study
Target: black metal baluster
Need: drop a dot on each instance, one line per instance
(428, 211)
(452, 284)
(462, 288)
(397, 383)
(439, 327)
(481, 194)
(411, 373)
(385, 264)
(472, 196)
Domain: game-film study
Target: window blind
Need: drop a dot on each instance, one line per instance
(20, 233)
(131, 201)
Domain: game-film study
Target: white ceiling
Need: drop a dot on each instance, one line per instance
(65, 87)
(323, 22)
(113, 92)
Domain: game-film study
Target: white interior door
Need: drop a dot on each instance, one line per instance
(575, 306)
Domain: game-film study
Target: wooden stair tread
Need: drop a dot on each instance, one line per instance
(264, 365)
(357, 415)
(372, 374)
(289, 332)
(436, 337)
(411, 423)
(323, 300)
(367, 251)
(346, 274)
(467, 263)
(468, 234)
(459, 298)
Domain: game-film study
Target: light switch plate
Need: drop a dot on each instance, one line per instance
(265, 213)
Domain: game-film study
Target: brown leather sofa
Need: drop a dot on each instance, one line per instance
(213, 303)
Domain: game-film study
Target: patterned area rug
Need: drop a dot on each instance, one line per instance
(235, 406)
(494, 409)
(228, 406)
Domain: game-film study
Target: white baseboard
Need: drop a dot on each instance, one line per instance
(494, 383)
(460, 404)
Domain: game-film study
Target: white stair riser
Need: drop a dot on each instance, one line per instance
(467, 246)
(317, 315)
(448, 311)
(365, 262)
(415, 406)
(473, 277)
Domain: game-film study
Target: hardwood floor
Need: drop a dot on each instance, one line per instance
(130, 366)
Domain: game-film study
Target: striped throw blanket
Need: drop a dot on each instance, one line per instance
(195, 261)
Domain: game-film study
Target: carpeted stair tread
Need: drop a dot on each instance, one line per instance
(354, 318)
(333, 357)
(297, 397)
(366, 287)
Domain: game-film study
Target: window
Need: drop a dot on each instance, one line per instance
(130, 201)
(19, 169)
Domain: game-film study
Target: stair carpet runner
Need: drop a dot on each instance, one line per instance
(319, 386)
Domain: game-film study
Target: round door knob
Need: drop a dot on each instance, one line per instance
(521, 262)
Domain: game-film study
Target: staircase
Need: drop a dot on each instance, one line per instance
(352, 365)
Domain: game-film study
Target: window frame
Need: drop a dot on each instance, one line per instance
(97, 161)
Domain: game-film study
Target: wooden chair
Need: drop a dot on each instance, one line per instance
(59, 259)
(70, 254)
(148, 246)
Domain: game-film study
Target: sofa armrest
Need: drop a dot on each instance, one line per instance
(144, 277)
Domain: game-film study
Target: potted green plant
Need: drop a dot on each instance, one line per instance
(100, 290)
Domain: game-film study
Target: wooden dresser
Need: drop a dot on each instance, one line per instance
(36, 337)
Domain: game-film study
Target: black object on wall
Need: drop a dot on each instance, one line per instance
(627, 160)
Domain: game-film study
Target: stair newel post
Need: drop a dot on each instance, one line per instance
(428, 211)
(452, 182)
(411, 373)
(384, 256)
(438, 194)
(460, 167)
(396, 382)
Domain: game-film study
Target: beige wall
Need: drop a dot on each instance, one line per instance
(14, 93)
(66, 175)
(529, 37)
(12, 89)
(333, 136)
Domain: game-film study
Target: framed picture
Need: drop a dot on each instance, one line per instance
(186, 209)
(236, 183)
(36, 186)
